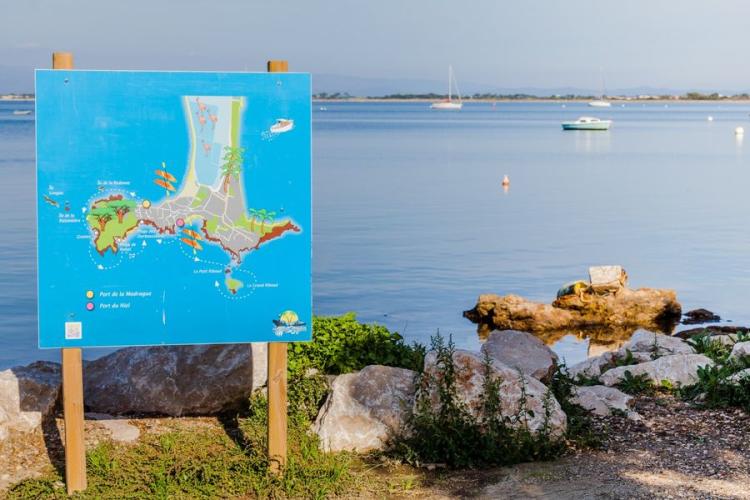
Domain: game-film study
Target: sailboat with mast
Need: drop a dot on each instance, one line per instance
(449, 104)
(600, 103)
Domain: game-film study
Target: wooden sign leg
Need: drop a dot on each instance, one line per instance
(277, 405)
(277, 425)
(72, 381)
(75, 449)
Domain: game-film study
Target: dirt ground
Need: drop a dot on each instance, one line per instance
(676, 451)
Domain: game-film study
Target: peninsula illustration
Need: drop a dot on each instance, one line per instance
(207, 206)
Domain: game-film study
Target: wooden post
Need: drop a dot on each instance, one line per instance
(72, 381)
(277, 362)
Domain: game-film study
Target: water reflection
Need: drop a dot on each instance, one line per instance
(587, 141)
(574, 346)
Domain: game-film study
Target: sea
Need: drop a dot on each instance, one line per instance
(411, 222)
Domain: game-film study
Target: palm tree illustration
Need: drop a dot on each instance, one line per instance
(267, 217)
(261, 214)
(253, 215)
(233, 158)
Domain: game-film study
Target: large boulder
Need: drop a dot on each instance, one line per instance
(592, 367)
(522, 351)
(645, 307)
(174, 380)
(740, 350)
(365, 408)
(657, 344)
(601, 400)
(470, 379)
(677, 369)
(28, 395)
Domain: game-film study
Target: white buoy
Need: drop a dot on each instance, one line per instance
(739, 131)
(710, 118)
(506, 181)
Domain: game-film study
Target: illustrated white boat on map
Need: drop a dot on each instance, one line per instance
(282, 125)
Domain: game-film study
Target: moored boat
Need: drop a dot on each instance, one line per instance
(449, 104)
(587, 123)
(282, 125)
(22, 112)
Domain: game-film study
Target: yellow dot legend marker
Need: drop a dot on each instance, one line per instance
(146, 204)
(90, 294)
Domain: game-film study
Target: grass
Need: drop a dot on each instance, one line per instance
(209, 462)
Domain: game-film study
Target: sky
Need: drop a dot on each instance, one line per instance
(526, 44)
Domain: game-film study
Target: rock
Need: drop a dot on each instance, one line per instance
(644, 341)
(120, 430)
(522, 351)
(645, 307)
(470, 379)
(714, 330)
(740, 350)
(592, 367)
(697, 316)
(678, 369)
(174, 380)
(28, 395)
(365, 408)
(742, 374)
(601, 400)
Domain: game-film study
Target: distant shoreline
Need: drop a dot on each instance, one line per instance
(540, 99)
(503, 100)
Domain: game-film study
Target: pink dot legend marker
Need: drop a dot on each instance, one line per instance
(180, 222)
(90, 306)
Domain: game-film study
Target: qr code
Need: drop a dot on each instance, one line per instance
(73, 330)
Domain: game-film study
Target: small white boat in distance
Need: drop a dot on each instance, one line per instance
(449, 104)
(587, 123)
(21, 112)
(600, 104)
(282, 125)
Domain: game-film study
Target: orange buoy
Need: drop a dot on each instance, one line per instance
(506, 181)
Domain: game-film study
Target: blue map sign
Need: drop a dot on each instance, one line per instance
(173, 208)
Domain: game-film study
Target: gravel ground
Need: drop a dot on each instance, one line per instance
(676, 451)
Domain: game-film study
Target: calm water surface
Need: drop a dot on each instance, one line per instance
(411, 221)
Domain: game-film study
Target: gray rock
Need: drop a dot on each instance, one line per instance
(592, 367)
(28, 394)
(522, 351)
(601, 400)
(644, 341)
(174, 380)
(678, 369)
(742, 374)
(470, 379)
(120, 430)
(740, 350)
(365, 408)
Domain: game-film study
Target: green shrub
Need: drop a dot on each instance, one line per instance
(627, 360)
(341, 344)
(710, 347)
(581, 429)
(714, 390)
(636, 384)
(441, 429)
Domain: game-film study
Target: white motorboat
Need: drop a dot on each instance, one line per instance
(587, 123)
(282, 125)
(449, 104)
(22, 112)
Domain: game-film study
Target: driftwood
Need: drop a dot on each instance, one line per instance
(644, 308)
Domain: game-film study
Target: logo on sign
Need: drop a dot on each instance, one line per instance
(288, 323)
